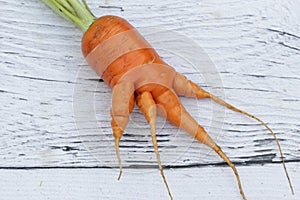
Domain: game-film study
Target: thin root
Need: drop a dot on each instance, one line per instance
(227, 105)
(154, 141)
(117, 141)
(148, 108)
(219, 151)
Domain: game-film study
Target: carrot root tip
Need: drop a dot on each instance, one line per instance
(120, 174)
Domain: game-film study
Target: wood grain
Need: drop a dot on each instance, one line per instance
(254, 49)
(145, 184)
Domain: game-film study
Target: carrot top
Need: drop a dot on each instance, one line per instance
(74, 11)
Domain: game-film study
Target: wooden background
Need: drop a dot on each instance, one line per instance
(48, 151)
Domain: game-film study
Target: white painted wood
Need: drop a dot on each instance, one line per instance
(215, 183)
(255, 48)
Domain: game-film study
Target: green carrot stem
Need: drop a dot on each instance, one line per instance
(74, 11)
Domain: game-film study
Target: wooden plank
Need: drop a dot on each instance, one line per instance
(255, 52)
(260, 182)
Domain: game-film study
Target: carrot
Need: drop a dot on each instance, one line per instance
(135, 72)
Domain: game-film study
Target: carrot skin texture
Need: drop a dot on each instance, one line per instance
(105, 28)
(177, 114)
(102, 29)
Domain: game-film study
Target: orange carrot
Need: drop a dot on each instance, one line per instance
(135, 72)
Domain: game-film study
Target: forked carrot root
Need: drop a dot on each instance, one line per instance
(187, 88)
(134, 71)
